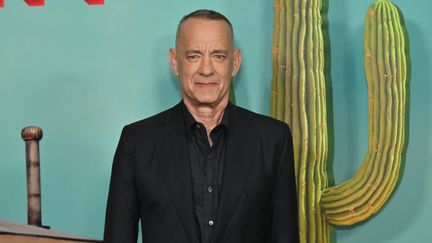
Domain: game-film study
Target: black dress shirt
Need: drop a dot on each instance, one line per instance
(207, 166)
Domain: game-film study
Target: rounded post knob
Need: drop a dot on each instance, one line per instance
(31, 133)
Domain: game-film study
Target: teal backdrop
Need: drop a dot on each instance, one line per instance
(83, 72)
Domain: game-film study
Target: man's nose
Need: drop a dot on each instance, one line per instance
(206, 67)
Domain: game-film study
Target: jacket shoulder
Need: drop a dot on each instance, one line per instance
(146, 126)
(259, 122)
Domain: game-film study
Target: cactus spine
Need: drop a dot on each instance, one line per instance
(299, 98)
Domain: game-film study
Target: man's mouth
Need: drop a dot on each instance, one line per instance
(206, 84)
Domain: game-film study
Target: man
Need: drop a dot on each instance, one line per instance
(204, 171)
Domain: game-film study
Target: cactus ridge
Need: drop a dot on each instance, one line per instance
(298, 97)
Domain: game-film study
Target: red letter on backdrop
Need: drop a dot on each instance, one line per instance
(95, 2)
(35, 2)
(42, 2)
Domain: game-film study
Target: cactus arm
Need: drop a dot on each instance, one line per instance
(385, 61)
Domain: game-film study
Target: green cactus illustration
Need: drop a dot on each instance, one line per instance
(299, 98)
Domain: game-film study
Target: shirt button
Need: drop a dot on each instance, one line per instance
(209, 189)
(211, 222)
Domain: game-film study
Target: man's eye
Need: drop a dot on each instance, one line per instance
(219, 57)
(192, 58)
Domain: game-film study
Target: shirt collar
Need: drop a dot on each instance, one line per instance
(190, 120)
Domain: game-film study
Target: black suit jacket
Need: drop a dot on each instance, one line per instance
(151, 182)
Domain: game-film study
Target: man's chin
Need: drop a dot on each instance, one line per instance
(209, 102)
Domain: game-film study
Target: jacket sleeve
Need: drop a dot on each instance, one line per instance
(284, 228)
(121, 219)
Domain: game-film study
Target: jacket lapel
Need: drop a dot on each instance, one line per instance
(175, 169)
(239, 160)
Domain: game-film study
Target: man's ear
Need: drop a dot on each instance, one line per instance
(173, 60)
(237, 62)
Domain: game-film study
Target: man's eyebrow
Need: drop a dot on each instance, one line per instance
(195, 51)
(192, 51)
(219, 51)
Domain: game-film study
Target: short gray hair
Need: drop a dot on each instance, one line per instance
(204, 14)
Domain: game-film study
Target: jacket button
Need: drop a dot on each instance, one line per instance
(211, 222)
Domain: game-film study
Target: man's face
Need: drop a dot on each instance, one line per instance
(205, 61)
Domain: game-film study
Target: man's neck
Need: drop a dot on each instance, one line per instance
(209, 116)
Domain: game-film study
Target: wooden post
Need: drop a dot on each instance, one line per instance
(31, 135)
